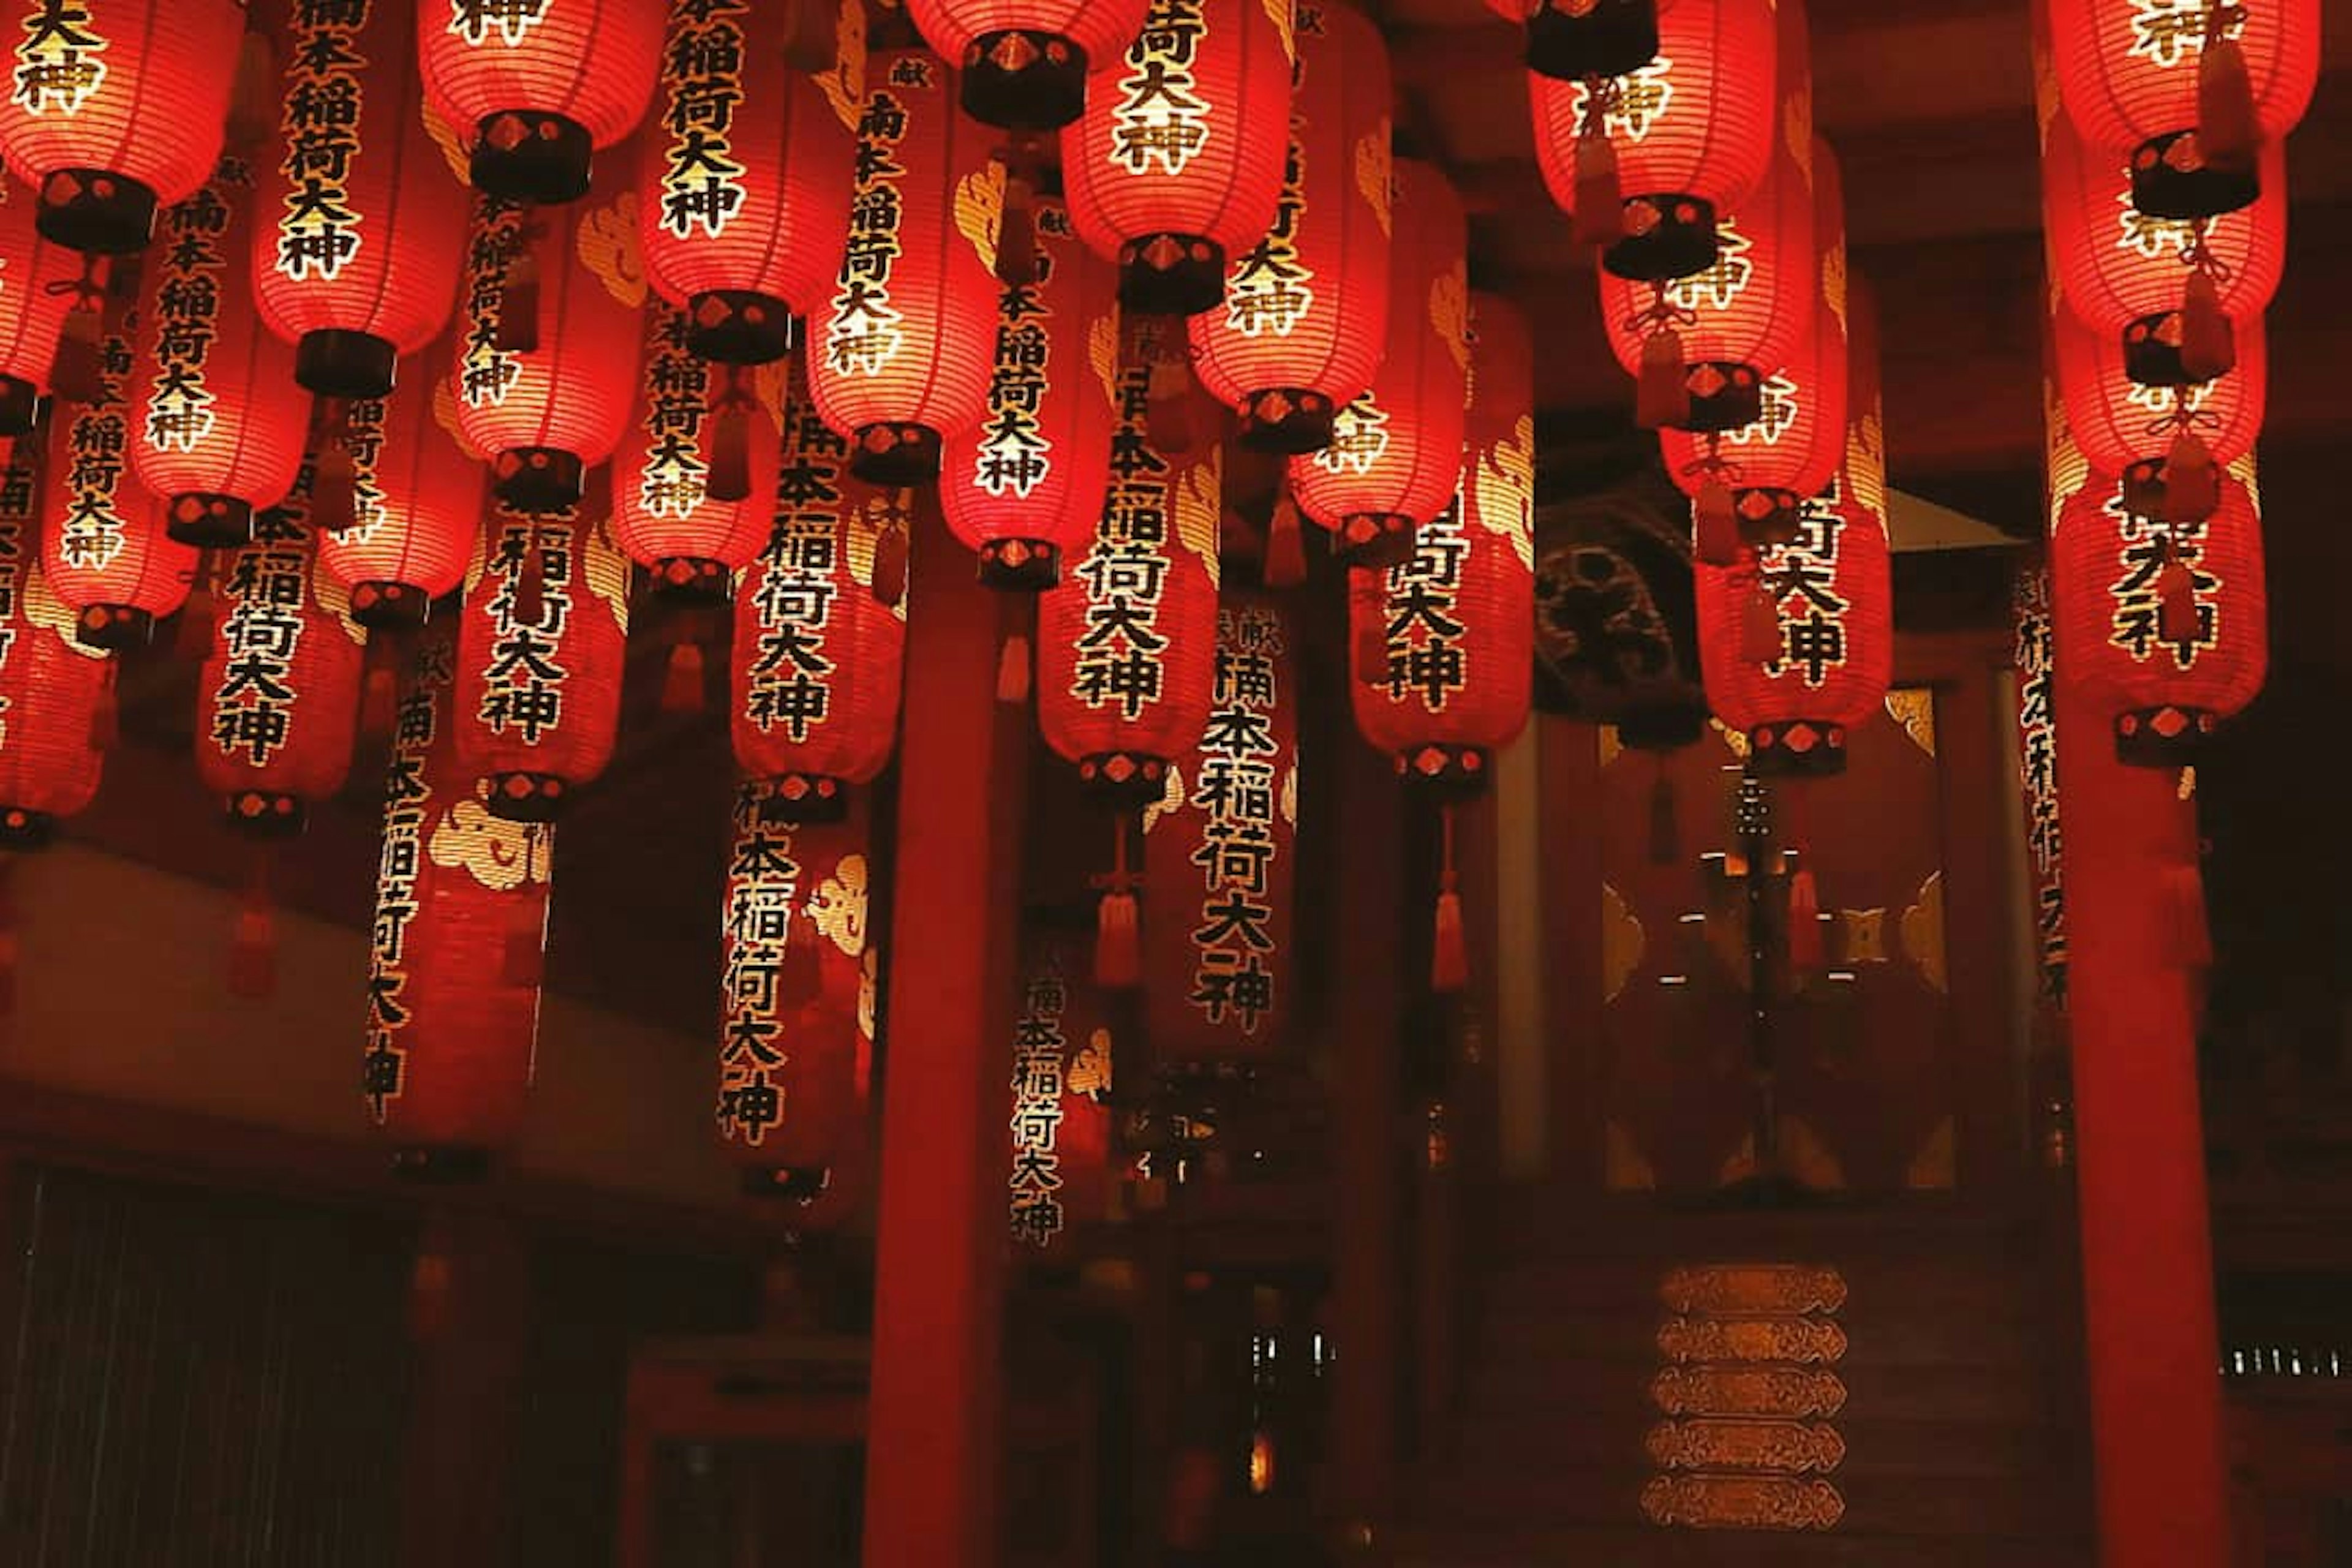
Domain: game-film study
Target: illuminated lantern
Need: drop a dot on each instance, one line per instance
(103, 547)
(664, 513)
(910, 331)
(2136, 431)
(542, 84)
(1689, 136)
(1575, 39)
(550, 329)
(540, 658)
(1498, 453)
(1177, 163)
(2170, 287)
(117, 108)
(1060, 1182)
(1730, 326)
(798, 981)
(1220, 855)
(39, 286)
(1761, 470)
(52, 689)
(2139, 77)
(747, 180)
(1306, 314)
(360, 265)
(1025, 62)
(417, 510)
(821, 628)
(1025, 488)
(2166, 623)
(1395, 453)
(220, 420)
(456, 948)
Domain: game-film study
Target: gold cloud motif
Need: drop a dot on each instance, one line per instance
(499, 854)
(837, 908)
(979, 210)
(611, 248)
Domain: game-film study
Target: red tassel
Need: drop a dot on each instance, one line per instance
(1449, 948)
(682, 681)
(2188, 935)
(253, 105)
(530, 585)
(2228, 129)
(106, 714)
(1759, 627)
(801, 979)
(519, 302)
(1017, 235)
(1806, 948)
(2192, 486)
(1370, 651)
(1285, 543)
(334, 488)
(811, 36)
(1169, 418)
(1012, 668)
(889, 585)
(729, 478)
(1599, 214)
(1661, 396)
(523, 964)
(77, 370)
(192, 639)
(2208, 346)
(2176, 602)
(1715, 524)
(1118, 938)
(379, 702)
(1665, 833)
(253, 952)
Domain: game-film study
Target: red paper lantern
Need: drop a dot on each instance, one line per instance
(1691, 133)
(550, 328)
(747, 183)
(40, 284)
(1126, 645)
(2126, 272)
(1306, 314)
(51, 688)
(116, 108)
(541, 84)
(278, 700)
(1220, 855)
(2166, 623)
(1177, 163)
(1792, 448)
(663, 514)
(1737, 320)
(1060, 1186)
(539, 656)
(821, 627)
(798, 983)
(910, 338)
(360, 265)
(221, 421)
(1825, 601)
(1025, 62)
(2129, 71)
(1395, 455)
(2124, 427)
(1027, 485)
(456, 948)
(103, 547)
(417, 510)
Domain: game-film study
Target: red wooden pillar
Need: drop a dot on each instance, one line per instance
(2148, 1255)
(937, 1422)
(469, 1316)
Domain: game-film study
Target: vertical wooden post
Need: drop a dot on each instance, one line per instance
(469, 1316)
(2147, 1253)
(937, 1424)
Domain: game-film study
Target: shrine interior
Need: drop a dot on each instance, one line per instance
(1086, 784)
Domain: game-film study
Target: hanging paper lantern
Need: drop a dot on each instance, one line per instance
(1306, 314)
(1125, 648)
(116, 108)
(456, 948)
(541, 84)
(220, 420)
(693, 422)
(549, 332)
(903, 360)
(1177, 163)
(1756, 476)
(1687, 135)
(2172, 287)
(278, 700)
(52, 689)
(1026, 487)
(545, 628)
(747, 180)
(1572, 40)
(360, 265)
(1025, 62)
(103, 547)
(1731, 324)
(1498, 453)
(1395, 455)
(1220, 855)
(2140, 77)
(2124, 427)
(416, 508)
(1060, 1183)
(798, 984)
(2166, 624)
(40, 284)
(821, 627)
